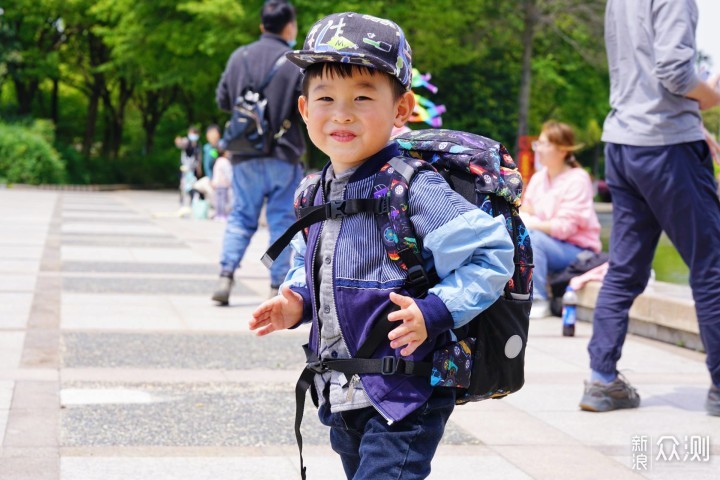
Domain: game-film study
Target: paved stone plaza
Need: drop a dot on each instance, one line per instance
(115, 364)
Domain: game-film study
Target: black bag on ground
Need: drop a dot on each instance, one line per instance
(559, 281)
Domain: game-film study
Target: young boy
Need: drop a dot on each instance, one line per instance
(221, 182)
(210, 149)
(357, 75)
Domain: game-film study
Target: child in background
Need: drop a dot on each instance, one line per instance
(222, 181)
(210, 149)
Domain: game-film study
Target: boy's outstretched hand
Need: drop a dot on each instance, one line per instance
(280, 312)
(412, 332)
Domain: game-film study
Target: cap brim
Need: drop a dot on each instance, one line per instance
(305, 58)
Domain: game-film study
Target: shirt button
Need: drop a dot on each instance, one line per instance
(326, 309)
(334, 354)
(328, 260)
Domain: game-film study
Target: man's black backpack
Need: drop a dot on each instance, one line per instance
(249, 132)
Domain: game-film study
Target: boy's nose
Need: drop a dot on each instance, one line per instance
(342, 115)
(343, 118)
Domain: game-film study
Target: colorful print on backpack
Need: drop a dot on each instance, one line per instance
(452, 364)
(305, 194)
(397, 232)
(497, 183)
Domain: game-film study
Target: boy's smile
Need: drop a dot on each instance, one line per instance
(350, 119)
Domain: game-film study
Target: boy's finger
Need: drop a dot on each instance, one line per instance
(400, 300)
(398, 315)
(409, 349)
(398, 332)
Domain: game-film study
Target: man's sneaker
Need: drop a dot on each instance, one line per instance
(712, 404)
(222, 294)
(604, 397)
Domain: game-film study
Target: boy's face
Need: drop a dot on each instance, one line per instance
(350, 119)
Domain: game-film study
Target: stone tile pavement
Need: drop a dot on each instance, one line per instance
(114, 364)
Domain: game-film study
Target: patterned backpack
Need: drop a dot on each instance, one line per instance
(488, 359)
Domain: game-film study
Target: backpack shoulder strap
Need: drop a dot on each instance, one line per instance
(393, 182)
(305, 194)
(268, 76)
(276, 66)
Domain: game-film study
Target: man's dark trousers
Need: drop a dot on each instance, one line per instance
(670, 188)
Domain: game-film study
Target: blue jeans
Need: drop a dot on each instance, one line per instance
(253, 181)
(654, 189)
(370, 449)
(550, 255)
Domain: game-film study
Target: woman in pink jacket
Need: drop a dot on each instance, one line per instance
(558, 210)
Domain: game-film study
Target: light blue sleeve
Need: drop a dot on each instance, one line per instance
(296, 275)
(473, 256)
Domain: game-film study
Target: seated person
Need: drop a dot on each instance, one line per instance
(558, 210)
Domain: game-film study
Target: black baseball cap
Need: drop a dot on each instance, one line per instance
(359, 40)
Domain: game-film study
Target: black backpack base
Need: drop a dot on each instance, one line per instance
(500, 334)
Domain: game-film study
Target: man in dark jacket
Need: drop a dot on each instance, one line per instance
(273, 177)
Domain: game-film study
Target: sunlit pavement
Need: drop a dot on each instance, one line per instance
(115, 364)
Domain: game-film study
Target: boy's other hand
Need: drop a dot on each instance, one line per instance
(412, 332)
(280, 312)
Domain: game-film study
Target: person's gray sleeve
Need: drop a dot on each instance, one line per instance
(674, 45)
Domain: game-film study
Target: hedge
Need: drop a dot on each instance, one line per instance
(27, 155)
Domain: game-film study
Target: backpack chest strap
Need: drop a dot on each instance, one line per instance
(318, 213)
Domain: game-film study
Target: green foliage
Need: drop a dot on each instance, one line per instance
(26, 155)
(150, 68)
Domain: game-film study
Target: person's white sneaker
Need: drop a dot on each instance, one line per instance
(540, 309)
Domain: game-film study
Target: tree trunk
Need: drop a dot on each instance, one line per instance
(91, 120)
(54, 101)
(530, 21)
(25, 93)
(153, 104)
(116, 117)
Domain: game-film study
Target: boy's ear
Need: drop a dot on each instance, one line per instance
(404, 108)
(303, 107)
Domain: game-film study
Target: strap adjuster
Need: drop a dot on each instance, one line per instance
(335, 209)
(417, 277)
(382, 205)
(390, 365)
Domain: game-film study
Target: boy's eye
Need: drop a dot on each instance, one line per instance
(324, 99)
(362, 97)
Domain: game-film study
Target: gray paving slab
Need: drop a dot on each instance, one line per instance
(125, 267)
(160, 242)
(92, 227)
(244, 414)
(133, 254)
(109, 219)
(257, 468)
(194, 351)
(145, 285)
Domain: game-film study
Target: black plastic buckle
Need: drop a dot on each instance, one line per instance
(317, 367)
(335, 209)
(417, 278)
(382, 205)
(389, 365)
